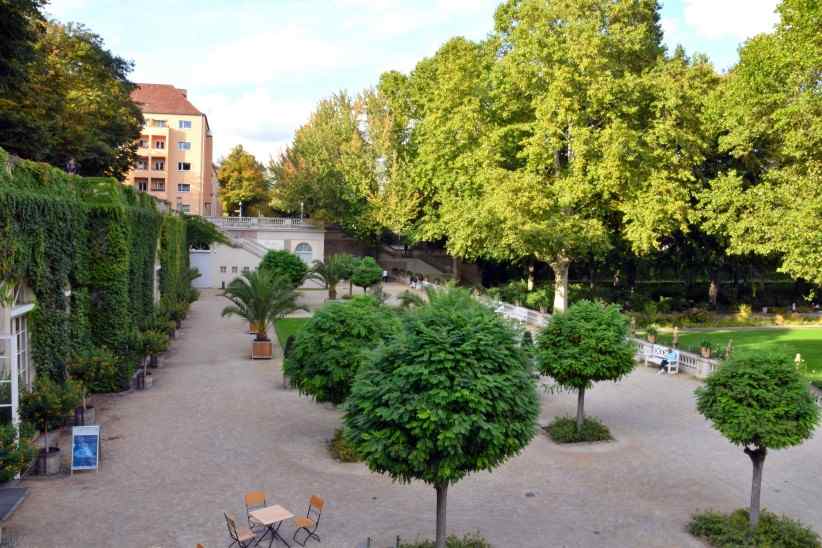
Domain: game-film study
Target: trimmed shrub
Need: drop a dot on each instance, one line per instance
(564, 430)
(470, 540)
(366, 273)
(285, 264)
(331, 347)
(733, 530)
(97, 369)
(16, 451)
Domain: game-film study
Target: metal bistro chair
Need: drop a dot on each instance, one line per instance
(241, 536)
(311, 521)
(254, 500)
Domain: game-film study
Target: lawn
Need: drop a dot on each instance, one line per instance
(804, 341)
(288, 326)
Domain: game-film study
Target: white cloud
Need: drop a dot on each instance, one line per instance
(738, 19)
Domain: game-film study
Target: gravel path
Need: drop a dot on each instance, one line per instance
(217, 424)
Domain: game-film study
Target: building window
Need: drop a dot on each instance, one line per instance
(223, 269)
(207, 208)
(185, 208)
(143, 142)
(141, 183)
(184, 124)
(160, 145)
(304, 252)
(184, 145)
(234, 269)
(158, 185)
(246, 269)
(183, 166)
(183, 187)
(158, 123)
(142, 163)
(159, 165)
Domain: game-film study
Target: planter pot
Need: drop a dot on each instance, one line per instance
(154, 362)
(706, 352)
(49, 462)
(251, 329)
(179, 323)
(149, 382)
(262, 350)
(652, 339)
(85, 417)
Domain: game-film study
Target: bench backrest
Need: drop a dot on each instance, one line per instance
(660, 351)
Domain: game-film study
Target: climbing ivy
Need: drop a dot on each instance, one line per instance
(96, 238)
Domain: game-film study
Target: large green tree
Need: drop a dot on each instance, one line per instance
(242, 179)
(759, 402)
(451, 396)
(73, 102)
(769, 115)
(329, 172)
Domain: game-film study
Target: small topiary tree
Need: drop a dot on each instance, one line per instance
(449, 397)
(285, 264)
(330, 348)
(585, 344)
(759, 402)
(366, 273)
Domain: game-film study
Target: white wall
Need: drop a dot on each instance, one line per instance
(210, 264)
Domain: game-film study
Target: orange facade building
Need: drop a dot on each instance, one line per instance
(175, 153)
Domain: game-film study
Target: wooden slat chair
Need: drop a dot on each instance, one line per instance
(240, 536)
(311, 521)
(254, 500)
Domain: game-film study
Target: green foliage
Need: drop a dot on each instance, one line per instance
(759, 400)
(470, 540)
(154, 342)
(16, 451)
(200, 233)
(366, 273)
(410, 299)
(340, 449)
(287, 328)
(281, 263)
(449, 397)
(242, 179)
(261, 299)
(96, 369)
(564, 430)
(95, 237)
(329, 350)
(48, 404)
(331, 272)
(773, 531)
(70, 98)
(586, 344)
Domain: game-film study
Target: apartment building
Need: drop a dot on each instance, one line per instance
(175, 151)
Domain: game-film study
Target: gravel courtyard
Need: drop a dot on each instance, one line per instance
(217, 424)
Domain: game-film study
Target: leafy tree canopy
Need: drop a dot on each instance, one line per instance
(334, 344)
(242, 179)
(201, 234)
(366, 272)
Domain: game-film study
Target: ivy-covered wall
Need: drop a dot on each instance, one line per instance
(95, 237)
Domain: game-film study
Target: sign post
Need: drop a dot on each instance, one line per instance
(85, 448)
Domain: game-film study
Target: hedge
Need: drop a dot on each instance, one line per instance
(96, 237)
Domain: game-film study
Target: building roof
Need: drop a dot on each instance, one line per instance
(163, 99)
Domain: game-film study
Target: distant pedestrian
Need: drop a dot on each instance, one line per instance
(413, 282)
(384, 276)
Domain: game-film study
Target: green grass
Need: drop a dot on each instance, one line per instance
(564, 430)
(733, 530)
(470, 540)
(806, 341)
(288, 326)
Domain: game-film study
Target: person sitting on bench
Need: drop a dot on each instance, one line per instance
(671, 357)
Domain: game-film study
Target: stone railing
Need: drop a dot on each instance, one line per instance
(260, 222)
(691, 363)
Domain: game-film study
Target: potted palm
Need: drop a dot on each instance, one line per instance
(154, 344)
(706, 348)
(260, 299)
(651, 332)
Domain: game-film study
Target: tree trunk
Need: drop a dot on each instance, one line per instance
(560, 266)
(350, 288)
(580, 409)
(531, 276)
(757, 457)
(332, 291)
(442, 493)
(713, 289)
(455, 266)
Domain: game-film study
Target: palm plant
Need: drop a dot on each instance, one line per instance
(330, 273)
(261, 299)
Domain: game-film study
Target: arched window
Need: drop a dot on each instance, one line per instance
(304, 252)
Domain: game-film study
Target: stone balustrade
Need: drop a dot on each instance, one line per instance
(260, 222)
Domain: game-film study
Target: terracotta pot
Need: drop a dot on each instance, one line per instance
(651, 339)
(706, 352)
(262, 350)
(252, 329)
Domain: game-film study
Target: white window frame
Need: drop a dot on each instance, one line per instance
(305, 256)
(181, 185)
(184, 124)
(183, 145)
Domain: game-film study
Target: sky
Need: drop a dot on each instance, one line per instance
(257, 68)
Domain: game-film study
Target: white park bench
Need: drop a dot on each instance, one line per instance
(658, 353)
